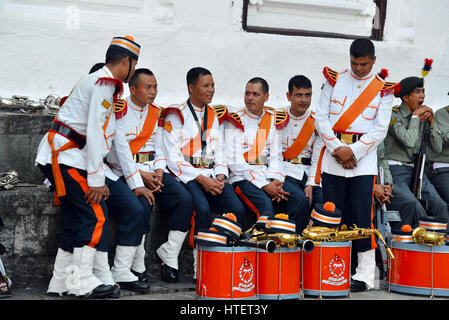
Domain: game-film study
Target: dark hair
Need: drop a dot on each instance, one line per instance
(362, 48)
(133, 82)
(263, 82)
(96, 67)
(114, 56)
(194, 74)
(299, 82)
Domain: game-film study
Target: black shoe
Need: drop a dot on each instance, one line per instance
(169, 274)
(137, 286)
(143, 276)
(358, 286)
(100, 292)
(115, 293)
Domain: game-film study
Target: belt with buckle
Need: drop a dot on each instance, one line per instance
(299, 160)
(69, 133)
(400, 163)
(199, 162)
(260, 160)
(141, 157)
(348, 138)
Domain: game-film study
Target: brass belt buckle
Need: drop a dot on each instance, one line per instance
(297, 160)
(346, 138)
(144, 157)
(259, 160)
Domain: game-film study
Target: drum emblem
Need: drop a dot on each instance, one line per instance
(246, 275)
(337, 267)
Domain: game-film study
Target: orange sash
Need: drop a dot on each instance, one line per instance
(301, 140)
(359, 105)
(195, 143)
(351, 114)
(147, 130)
(261, 138)
(57, 176)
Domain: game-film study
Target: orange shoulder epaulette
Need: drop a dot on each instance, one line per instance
(160, 117)
(120, 108)
(173, 110)
(270, 109)
(234, 119)
(390, 87)
(281, 119)
(330, 75)
(112, 82)
(221, 113)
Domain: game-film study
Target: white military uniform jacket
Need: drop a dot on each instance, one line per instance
(240, 135)
(337, 95)
(178, 130)
(289, 133)
(89, 111)
(129, 127)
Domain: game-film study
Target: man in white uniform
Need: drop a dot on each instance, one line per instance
(196, 155)
(352, 118)
(142, 130)
(71, 156)
(301, 146)
(254, 152)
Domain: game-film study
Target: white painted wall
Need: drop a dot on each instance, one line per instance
(47, 45)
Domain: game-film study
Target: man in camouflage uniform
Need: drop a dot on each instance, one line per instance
(438, 163)
(404, 139)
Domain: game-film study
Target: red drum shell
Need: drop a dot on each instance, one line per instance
(419, 269)
(326, 271)
(226, 273)
(279, 274)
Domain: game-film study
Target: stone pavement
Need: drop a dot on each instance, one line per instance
(179, 301)
(185, 290)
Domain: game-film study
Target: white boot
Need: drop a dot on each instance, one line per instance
(195, 261)
(57, 283)
(366, 268)
(138, 264)
(81, 280)
(101, 268)
(169, 251)
(121, 270)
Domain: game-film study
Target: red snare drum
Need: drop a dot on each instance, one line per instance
(279, 274)
(326, 271)
(419, 269)
(226, 273)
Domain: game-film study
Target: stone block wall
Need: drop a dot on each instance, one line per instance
(31, 230)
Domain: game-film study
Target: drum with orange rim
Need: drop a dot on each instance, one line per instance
(326, 271)
(279, 274)
(419, 269)
(226, 273)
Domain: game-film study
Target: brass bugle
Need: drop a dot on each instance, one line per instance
(268, 245)
(306, 245)
(430, 238)
(287, 240)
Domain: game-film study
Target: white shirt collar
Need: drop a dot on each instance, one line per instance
(252, 115)
(367, 77)
(135, 106)
(305, 115)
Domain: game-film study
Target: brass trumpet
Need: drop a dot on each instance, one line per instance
(268, 245)
(9, 179)
(343, 234)
(430, 238)
(287, 240)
